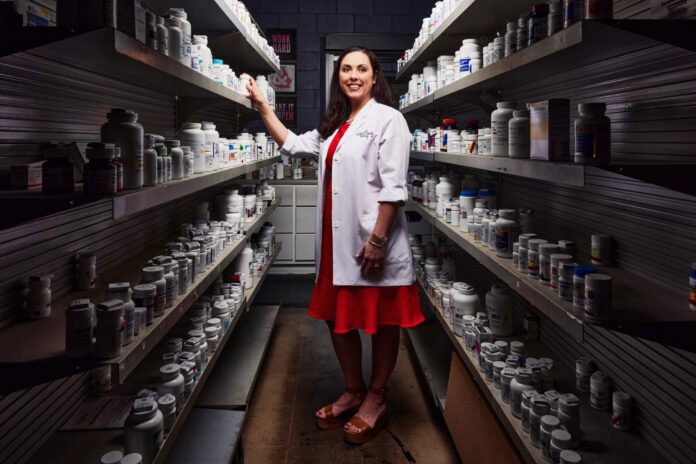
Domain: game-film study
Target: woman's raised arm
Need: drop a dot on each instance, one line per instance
(278, 131)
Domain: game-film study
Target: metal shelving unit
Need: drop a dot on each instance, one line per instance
(135, 201)
(634, 298)
(470, 19)
(580, 44)
(600, 442)
(228, 39)
(549, 171)
(117, 55)
(51, 330)
(66, 443)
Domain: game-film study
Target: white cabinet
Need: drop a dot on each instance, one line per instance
(304, 247)
(287, 252)
(305, 218)
(306, 195)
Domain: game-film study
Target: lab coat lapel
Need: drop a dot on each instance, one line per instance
(360, 120)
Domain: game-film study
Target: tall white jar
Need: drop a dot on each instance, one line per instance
(499, 309)
(212, 146)
(144, 429)
(180, 14)
(193, 137)
(518, 128)
(507, 232)
(500, 119)
(123, 130)
(465, 302)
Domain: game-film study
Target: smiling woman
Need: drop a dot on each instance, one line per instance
(365, 273)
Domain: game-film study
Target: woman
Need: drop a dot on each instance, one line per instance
(365, 278)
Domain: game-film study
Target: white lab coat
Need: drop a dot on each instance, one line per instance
(370, 166)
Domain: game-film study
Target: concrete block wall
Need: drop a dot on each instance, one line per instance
(315, 19)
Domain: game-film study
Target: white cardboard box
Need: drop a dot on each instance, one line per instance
(550, 129)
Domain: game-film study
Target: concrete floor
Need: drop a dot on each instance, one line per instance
(300, 374)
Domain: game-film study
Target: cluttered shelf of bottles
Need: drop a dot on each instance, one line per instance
(523, 385)
(160, 53)
(557, 35)
(169, 285)
(549, 275)
(146, 415)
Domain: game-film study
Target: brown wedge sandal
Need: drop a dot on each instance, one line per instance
(367, 433)
(333, 422)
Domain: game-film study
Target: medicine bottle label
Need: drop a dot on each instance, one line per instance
(591, 141)
(692, 297)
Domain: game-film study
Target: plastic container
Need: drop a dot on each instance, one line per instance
(109, 334)
(600, 249)
(545, 252)
(565, 280)
(599, 9)
(155, 275)
(444, 190)
(193, 137)
(167, 406)
(539, 408)
(526, 404)
(145, 296)
(123, 130)
(122, 291)
(560, 440)
(521, 382)
(212, 146)
(518, 139)
(555, 17)
(100, 173)
(499, 309)
(506, 377)
(144, 429)
(523, 252)
(79, 328)
(510, 37)
(162, 36)
(598, 296)
(500, 119)
(692, 287)
(569, 415)
(621, 411)
(150, 169)
(488, 197)
(185, 26)
(573, 11)
(176, 39)
(570, 457)
(177, 154)
(599, 391)
(467, 201)
(592, 134)
(549, 423)
(533, 257)
(522, 31)
(556, 260)
(537, 26)
(584, 367)
(579, 274)
(171, 381)
(466, 303)
(112, 457)
(507, 232)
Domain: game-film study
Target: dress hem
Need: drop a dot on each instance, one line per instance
(344, 331)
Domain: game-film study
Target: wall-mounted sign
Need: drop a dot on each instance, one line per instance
(284, 81)
(286, 107)
(284, 42)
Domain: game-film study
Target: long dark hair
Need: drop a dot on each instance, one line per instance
(339, 105)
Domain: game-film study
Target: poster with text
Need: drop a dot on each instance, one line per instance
(284, 81)
(286, 108)
(284, 42)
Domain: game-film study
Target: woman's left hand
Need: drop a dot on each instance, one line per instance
(372, 259)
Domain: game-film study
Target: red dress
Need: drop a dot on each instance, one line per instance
(357, 307)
